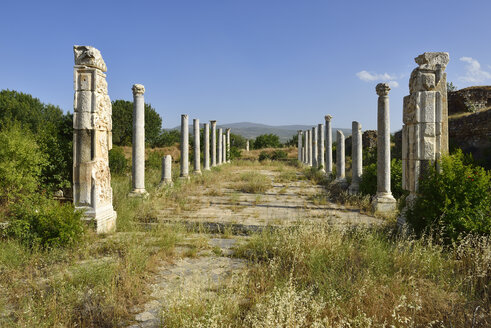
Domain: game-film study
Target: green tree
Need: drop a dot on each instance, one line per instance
(168, 138)
(237, 141)
(293, 142)
(123, 123)
(267, 141)
(451, 87)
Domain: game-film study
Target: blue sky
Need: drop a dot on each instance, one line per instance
(267, 61)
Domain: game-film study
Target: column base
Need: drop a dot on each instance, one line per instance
(184, 178)
(354, 189)
(384, 203)
(138, 193)
(103, 219)
(166, 182)
(342, 183)
(206, 169)
(197, 172)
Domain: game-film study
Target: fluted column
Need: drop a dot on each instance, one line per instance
(213, 143)
(197, 146)
(384, 201)
(328, 144)
(206, 152)
(138, 158)
(184, 146)
(356, 157)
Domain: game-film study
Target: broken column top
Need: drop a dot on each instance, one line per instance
(382, 89)
(432, 60)
(328, 117)
(138, 89)
(89, 56)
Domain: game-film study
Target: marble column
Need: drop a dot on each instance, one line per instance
(138, 156)
(166, 171)
(184, 147)
(340, 158)
(228, 146)
(384, 201)
(356, 157)
(299, 145)
(311, 153)
(224, 149)
(328, 144)
(92, 192)
(206, 154)
(320, 145)
(219, 148)
(314, 147)
(197, 147)
(247, 145)
(213, 143)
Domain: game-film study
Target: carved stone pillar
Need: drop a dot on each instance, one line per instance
(166, 171)
(247, 145)
(92, 140)
(228, 146)
(138, 146)
(219, 148)
(340, 158)
(384, 201)
(299, 145)
(213, 143)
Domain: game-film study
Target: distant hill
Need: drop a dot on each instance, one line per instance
(251, 130)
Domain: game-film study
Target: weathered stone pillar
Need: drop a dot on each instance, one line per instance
(224, 149)
(425, 117)
(302, 138)
(220, 145)
(309, 147)
(138, 156)
(384, 201)
(197, 147)
(228, 146)
(314, 147)
(340, 158)
(166, 171)
(206, 155)
(213, 143)
(184, 147)
(92, 139)
(328, 144)
(247, 145)
(320, 144)
(356, 157)
(299, 145)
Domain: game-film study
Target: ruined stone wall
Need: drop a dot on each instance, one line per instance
(472, 99)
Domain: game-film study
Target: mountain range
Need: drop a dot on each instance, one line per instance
(251, 130)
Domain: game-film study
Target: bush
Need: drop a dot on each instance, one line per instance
(267, 141)
(45, 223)
(154, 159)
(455, 201)
(168, 138)
(21, 164)
(235, 152)
(118, 164)
(279, 154)
(264, 155)
(253, 182)
(368, 183)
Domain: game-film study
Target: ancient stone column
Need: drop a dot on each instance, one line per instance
(425, 117)
(320, 145)
(220, 145)
(138, 158)
(213, 143)
(206, 155)
(340, 158)
(92, 139)
(197, 147)
(299, 145)
(384, 201)
(166, 171)
(356, 157)
(224, 149)
(184, 147)
(309, 147)
(228, 146)
(247, 145)
(314, 147)
(328, 144)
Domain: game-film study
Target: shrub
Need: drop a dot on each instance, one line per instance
(235, 152)
(118, 164)
(38, 221)
(154, 159)
(279, 154)
(368, 183)
(267, 141)
(21, 163)
(454, 201)
(253, 182)
(264, 155)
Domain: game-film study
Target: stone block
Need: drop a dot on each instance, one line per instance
(428, 149)
(427, 101)
(428, 129)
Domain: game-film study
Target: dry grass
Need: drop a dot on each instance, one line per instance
(253, 182)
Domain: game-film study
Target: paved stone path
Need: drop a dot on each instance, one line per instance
(212, 266)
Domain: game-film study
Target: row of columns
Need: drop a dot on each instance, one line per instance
(315, 150)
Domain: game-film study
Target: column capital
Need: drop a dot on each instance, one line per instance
(213, 122)
(328, 118)
(382, 89)
(138, 89)
(184, 115)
